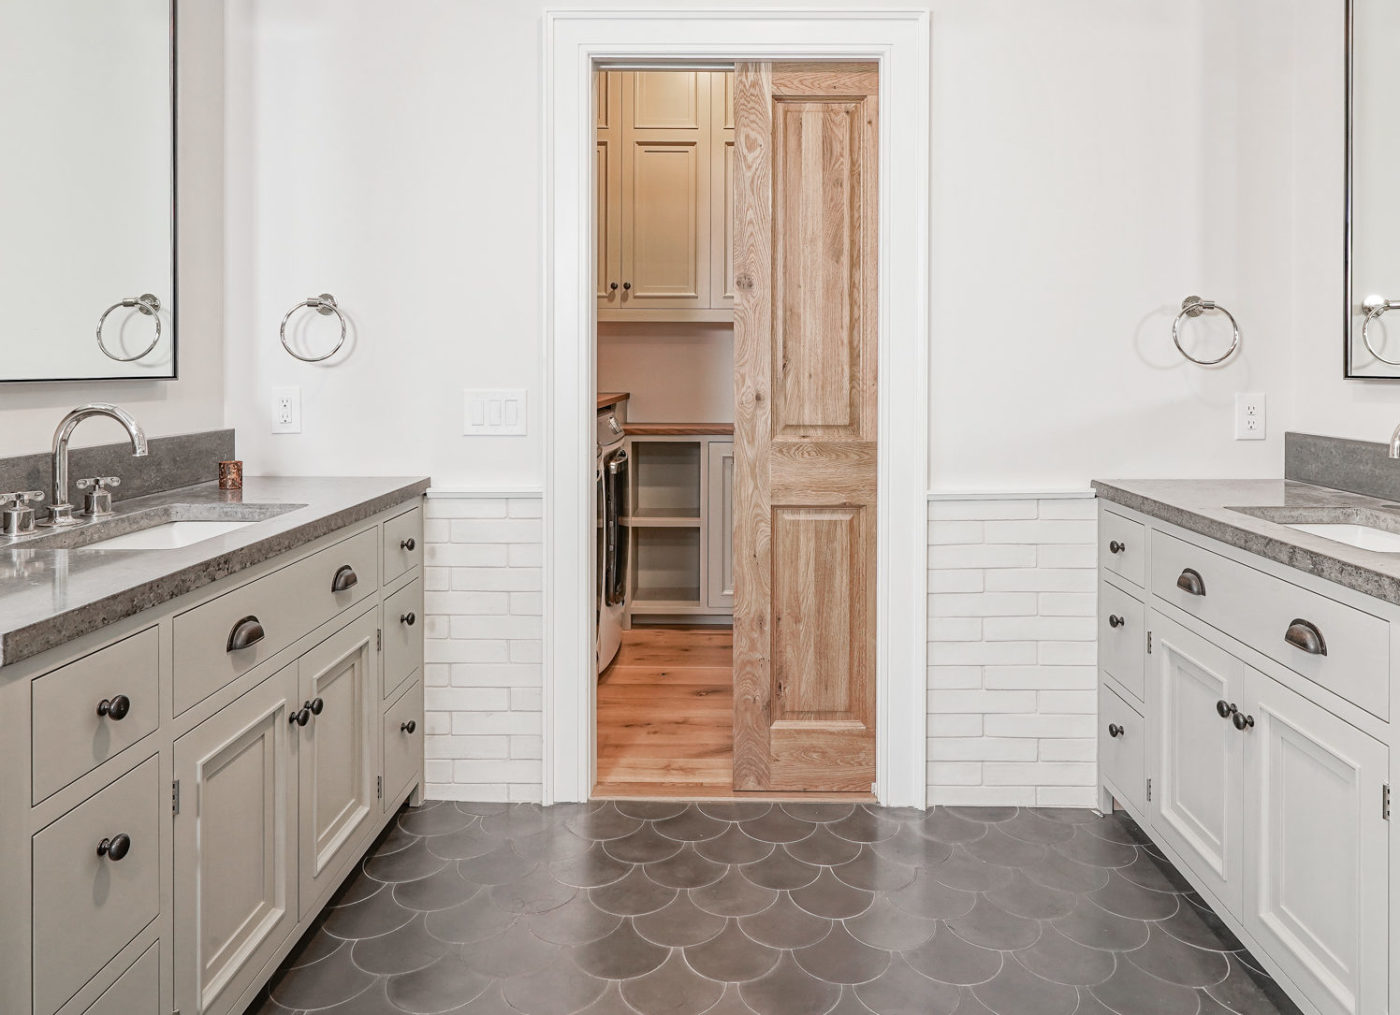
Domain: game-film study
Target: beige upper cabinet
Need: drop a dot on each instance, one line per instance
(664, 140)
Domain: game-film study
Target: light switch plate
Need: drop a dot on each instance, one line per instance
(493, 412)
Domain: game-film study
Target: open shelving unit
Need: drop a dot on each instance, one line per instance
(671, 523)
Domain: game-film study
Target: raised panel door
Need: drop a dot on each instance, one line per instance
(665, 192)
(1318, 881)
(719, 522)
(722, 190)
(339, 757)
(235, 845)
(1196, 756)
(607, 173)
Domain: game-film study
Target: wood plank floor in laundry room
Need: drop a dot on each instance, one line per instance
(665, 714)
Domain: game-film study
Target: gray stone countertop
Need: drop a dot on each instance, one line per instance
(51, 596)
(1208, 506)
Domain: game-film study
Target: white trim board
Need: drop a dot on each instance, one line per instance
(1014, 495)
(900, 42)
(463, 492)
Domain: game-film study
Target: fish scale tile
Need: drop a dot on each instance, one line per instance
(749, 908)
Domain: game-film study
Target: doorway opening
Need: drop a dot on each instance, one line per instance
(576, 44)
(704, 258)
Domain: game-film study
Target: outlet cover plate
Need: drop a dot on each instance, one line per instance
(493, 412)
(286, 410)
(1251, 416)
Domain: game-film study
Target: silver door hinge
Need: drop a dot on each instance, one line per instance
(379, 640)
(1149, 789)
(379, 787)
(1385, 802)
(1149, 642)
(175, 798)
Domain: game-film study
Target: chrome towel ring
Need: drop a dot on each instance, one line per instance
(1194, 306)
(146, 304)
(325, 306)
(1375, 307)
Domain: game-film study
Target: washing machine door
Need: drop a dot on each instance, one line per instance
(615, 469)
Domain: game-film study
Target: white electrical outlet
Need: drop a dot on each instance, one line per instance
(493, 413)
(286, 410)
(1251, 417)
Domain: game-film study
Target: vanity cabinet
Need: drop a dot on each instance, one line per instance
(182, 800)
(1265, 766)
(664, 172)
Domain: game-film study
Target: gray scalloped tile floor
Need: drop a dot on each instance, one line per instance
(670, 908)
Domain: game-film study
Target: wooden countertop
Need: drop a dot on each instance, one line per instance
(678, 429)
(607, 398)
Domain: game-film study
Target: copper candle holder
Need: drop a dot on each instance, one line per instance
(231, 475)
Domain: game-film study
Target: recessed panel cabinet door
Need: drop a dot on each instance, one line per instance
(235, 845)
(1318, 884)
(339, 756)
(805, 427)
(607, 170)
(665, 198)
(1196, 755)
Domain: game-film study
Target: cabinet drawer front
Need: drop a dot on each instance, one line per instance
(1122, 749)
(286, 604)
(1259, 610)
(403, 742)
(136, 992)
(87, 906)
(403, 636)
(403, 543)
(70, 736)
(1122, 546)
(1122, 637)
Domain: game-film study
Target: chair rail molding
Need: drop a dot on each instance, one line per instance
(574, 41)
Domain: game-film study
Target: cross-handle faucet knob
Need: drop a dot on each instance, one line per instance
(16, 515)
(97, 502)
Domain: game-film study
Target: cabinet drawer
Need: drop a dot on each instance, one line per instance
(403, 543)
(286, 605)
(1122, 547)
(1260, 609)
(136, 992)
(70, 736)
(403, 746)
(1122, 637)
(87, 906)
(1122, 749)
(403, 636)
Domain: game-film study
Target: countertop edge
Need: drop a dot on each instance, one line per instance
(61, 628)
(1348, 573)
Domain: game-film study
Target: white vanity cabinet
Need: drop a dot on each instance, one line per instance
(185, 790)
(1266, 760)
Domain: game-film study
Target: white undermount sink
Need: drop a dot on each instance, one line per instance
(1363, 537)
(171, 535)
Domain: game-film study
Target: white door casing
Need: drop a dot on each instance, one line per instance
(575, 42)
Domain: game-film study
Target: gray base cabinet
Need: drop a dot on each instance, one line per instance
(167, 858)
(1265, 768)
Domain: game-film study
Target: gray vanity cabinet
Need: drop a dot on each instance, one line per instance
(236, 895)
(180, 803)
(338, 756)
(1268, 755)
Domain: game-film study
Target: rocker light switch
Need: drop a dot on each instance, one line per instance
(494, 412)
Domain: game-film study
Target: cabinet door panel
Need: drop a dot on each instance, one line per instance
(1196, 756)
(235, 845)
(720, 526)
(608, 178)
(338, 756)
(1318, 882)
(722, 182)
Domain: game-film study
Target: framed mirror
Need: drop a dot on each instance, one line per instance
(1372, 335)
(87, 206)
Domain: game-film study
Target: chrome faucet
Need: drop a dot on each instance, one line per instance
(60, 511)
(1395, 443)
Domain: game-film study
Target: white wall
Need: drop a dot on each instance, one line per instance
(676, 373)
(1094, 163)
(195, 401)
